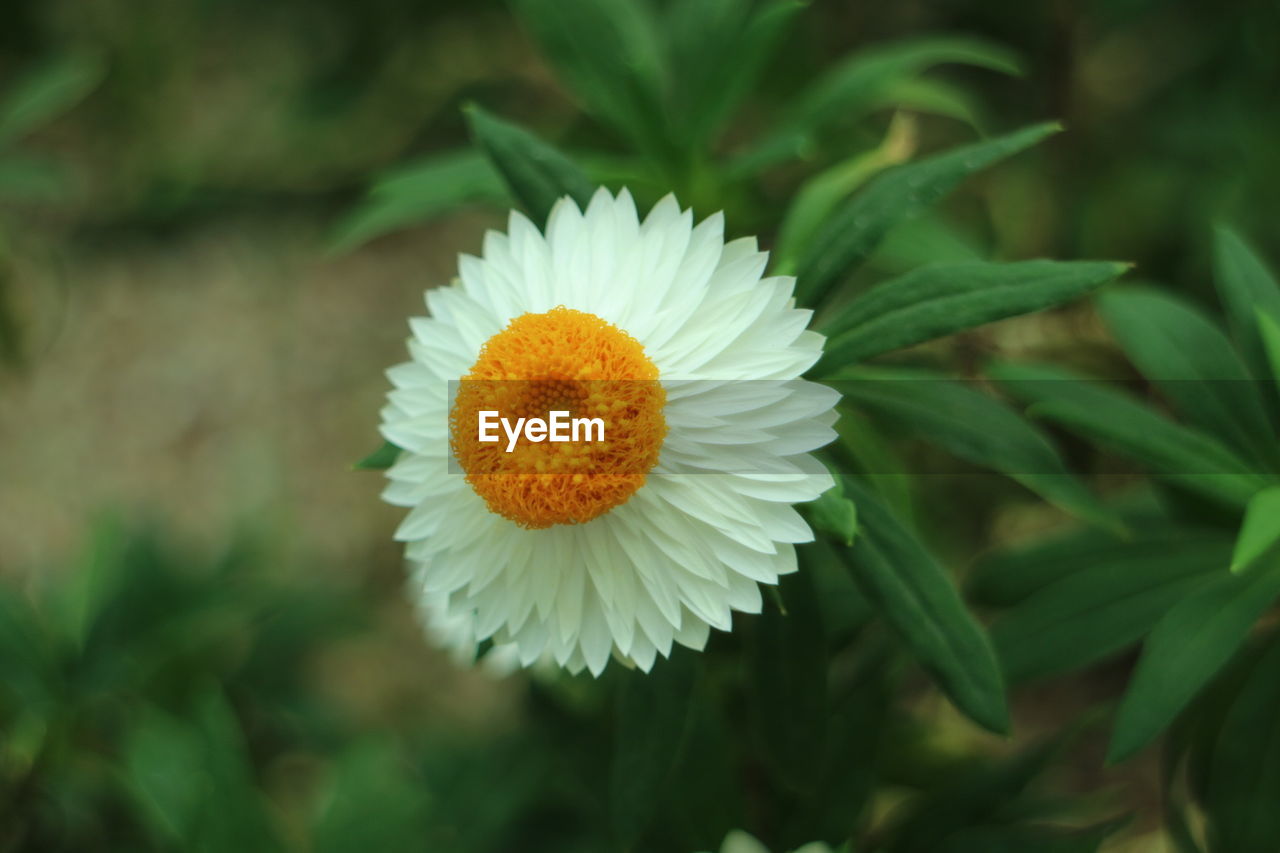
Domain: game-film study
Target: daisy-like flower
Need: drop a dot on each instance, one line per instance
(580, 551)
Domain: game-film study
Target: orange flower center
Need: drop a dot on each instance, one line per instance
(568, 362)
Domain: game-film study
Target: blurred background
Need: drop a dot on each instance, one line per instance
(192, 574)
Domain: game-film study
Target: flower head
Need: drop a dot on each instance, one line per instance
(689, 360)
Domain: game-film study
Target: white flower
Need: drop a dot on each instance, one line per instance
(692, 358)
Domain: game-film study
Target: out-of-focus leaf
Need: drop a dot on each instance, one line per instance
(935, 97)
(1260, 530)
(28, 178)
(45, 92)
(834, 514)
(1186, 649)
(653, 716)
(718, 49)
(536, 173)
(373, 803)
(971, 797)
(1177, 453)
(861, 84)
(379, 460)
(863, 450)
(418, 192)
(1242, 784)
(192, 782)
(819, 195)
(921, 603)
(787, 661)
(973, 426)
(607, 51)
(1028, 839)
(1247, 289)
(927, 239)
(942, 299)
(1109, 602)
(854, 231)
(1269, 331)
(844, 607)
(1182, 350)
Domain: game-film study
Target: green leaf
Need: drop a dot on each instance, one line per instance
(1177, 453)
(1247, 289)
(45, 92)
(974, 427)
(607, 52)
(1187, 648)
(1184, 352)
(1028, 839)
(536, 173)
(941, 299)
(654, 711)
(1243, 771)
(834, 514)
(927, 239)
(379, 460)
(1269, 331)
(373, 802)
(25, 178)
(819, 195)
(718, 49)
(1260, 530)
(855, 230)
(921, 603)
(418, 192)
(1108, 602)
(861, 84)
(933, 97)
(787, 662)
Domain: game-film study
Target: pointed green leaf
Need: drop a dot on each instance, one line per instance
(1177, 453)
(861, 84)
(718, 49)
(1242, 784)
(607, 52)
(942, 299)
(921, 603)
(536, 173)
(379, 460)
(1179, 348)
(854, 231)
(834, 514)
(973, 426)
(1247, 288)
(419, 192)
(1260, 530)
(45, 92)
(1187, 648)
(1108, 602)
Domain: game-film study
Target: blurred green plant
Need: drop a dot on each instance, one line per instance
(1199, 572)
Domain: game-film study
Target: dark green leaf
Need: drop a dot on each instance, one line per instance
(1188, 647)
(1110, 601)
(45, 92)
(654, 714)
(537, 174)
(1247, 289)
(921, 603)
(1182, 350)
(418, 192)
(973, 426)
(371, 779)
(1243, 773)
(861, 84)
(1116, 420)
(787, 662)
(608, 54)
(854, 231)
(381, 459)
(942, 299)
(718, 49)
(834, 514)
(1028, 839)
(1260, 530)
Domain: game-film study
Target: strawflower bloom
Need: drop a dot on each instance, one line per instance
(681, 508)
